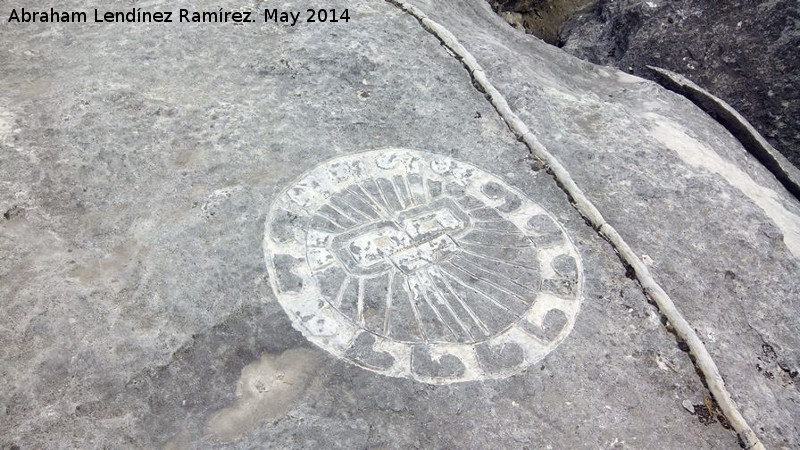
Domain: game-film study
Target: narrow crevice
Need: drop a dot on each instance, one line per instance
(709, 412)
(770, 356)
(752, 141)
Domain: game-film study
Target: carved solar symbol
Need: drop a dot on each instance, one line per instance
(415, 265)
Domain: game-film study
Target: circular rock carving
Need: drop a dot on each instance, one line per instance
(416, 265)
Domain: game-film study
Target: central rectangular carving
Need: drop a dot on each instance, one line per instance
(415, 238)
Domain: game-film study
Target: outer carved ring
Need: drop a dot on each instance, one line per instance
(416, 265)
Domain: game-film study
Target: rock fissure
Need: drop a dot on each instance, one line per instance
(786, 173)
(700, 355)
(770, 355)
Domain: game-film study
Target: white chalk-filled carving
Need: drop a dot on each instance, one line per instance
(416, 265)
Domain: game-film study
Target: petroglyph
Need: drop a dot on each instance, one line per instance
(415, 265)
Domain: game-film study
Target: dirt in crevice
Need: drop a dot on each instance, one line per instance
(542, 18)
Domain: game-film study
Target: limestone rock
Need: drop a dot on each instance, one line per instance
(140, 163)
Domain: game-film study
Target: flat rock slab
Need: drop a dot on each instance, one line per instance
(220, 235)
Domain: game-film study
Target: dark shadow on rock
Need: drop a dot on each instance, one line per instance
(741, 51)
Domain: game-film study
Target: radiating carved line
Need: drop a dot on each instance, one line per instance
(339, 209)
(388, 312)
(357, 202)
(479, 244)
(408, 190)
(340, 295)
(331, 219)
(345, 216)
(499, 226)
(500, 233)
(436, 312)
(400, 198)
(325, 218)
(425, 190)
(415, 188)
(379, 208)
(489, 282)
(416, 312)
(505, 277)
(481, 293)
(383, 195)
(463, 304)
(436, 292)
(360, 313)
(498, 260)
(365, 202)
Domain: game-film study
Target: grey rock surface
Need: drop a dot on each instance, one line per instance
(745, 52)
(139, 162)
